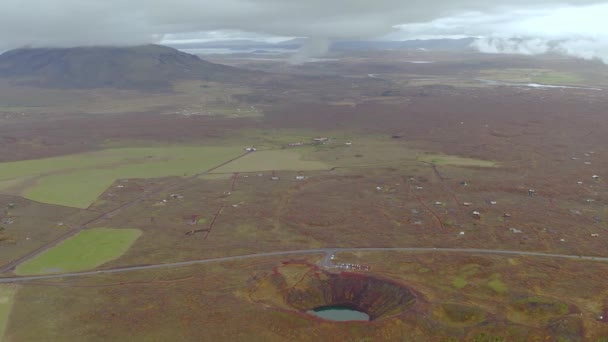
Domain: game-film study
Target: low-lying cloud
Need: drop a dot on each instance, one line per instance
(574, 31)
(571, 27)
(120, 22)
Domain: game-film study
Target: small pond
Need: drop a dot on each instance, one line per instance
(339, 313)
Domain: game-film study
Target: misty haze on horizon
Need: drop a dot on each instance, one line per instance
(570, 27)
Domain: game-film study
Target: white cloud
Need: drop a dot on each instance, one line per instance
(574, 31)
(106, 22)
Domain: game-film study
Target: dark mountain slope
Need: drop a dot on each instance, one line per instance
(140, 67)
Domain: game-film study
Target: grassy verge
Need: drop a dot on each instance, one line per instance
(7, 296)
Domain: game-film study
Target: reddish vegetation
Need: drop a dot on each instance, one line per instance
(379, 298)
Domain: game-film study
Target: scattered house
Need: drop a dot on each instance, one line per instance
(260, 175)
(579, 183)
(438, 204)
(467, 204)
(562, 240)
(595, 235)
(348, 143)
(515, 231)
(587, 163)
(176, 196)
(589, 200)
(353, 267)
(596, 177)
(300, 177)
(320, 139)
(531, 192)
(296, 144)
(251, 149)
(587, 155)
(506, 215)
(574, 158)
(418, 223)
(120, 186)
(379, 188)
(493, 202)
(464, 183)
(274, 178)
(419, 188)
(477, 215)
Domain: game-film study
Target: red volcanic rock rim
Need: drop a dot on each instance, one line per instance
(379, 298)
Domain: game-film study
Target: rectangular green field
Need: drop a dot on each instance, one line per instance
(86, 250)
(440, 159)
(78, 180)
(285, 160)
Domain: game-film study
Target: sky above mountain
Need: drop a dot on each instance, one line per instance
(573, 27)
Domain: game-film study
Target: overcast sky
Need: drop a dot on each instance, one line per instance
(574, 27)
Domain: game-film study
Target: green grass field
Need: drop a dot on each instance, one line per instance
(84, 251)
(77, 180)
(439, 159)
(541, 76)
(286, 160)
(7, 295)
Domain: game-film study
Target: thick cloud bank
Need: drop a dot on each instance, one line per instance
(121, 22)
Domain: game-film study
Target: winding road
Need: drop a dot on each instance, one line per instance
(325, 262)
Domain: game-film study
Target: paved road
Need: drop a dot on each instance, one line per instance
(324, 263)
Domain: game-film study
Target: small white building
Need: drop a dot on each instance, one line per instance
(251, 149)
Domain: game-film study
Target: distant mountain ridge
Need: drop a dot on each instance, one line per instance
(148, 67)
(343, 45)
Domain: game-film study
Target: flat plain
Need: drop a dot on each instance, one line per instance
(418, 156)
